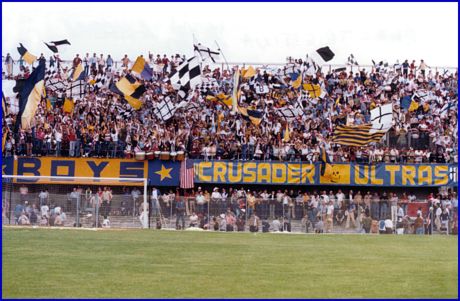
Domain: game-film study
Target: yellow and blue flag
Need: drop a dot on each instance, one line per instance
(78, 73)
(251, 115)
(30, 97)
(142, 68)
(130, 89)
(26, 55)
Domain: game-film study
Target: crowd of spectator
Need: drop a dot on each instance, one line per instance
(96, 127)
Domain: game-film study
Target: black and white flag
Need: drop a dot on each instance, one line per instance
(382, 118)
(125, 113)
(50, 73)
(206, 53)
(208, 85)
(187, 76)
(53, 45)
(288, 112)
(56, 84)
(165, 109)
(76, 89)
(261, 88)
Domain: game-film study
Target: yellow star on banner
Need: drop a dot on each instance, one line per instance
(164, 172)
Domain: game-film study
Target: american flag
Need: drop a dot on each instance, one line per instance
(186, 174)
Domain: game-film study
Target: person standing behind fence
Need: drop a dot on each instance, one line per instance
(43, 197)
(180, 213)
(73, 199)
(200, 201)
(23, 192)
(105, 203)
(155, 200)
(135, 193)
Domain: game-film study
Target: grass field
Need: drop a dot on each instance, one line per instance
(168, 264)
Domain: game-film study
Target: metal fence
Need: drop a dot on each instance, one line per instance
(63, 206)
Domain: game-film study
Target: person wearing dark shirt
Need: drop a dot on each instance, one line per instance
(180, 212)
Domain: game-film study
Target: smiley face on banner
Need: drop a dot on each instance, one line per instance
(340, 174)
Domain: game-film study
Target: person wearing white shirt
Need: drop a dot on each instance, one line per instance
(389, 226)
(340, 197)
(43, 197)
(44, 209)
(329, 216)
(200, 201)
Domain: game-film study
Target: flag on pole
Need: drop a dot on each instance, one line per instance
(53, 45)
(30, 96)
(187, 174)
(130, 89)
(68, 106)
(187, 76)
(236, 87)
(78, 73)
(26, 55)
(142, 68)
(286, 137)
(206, 53)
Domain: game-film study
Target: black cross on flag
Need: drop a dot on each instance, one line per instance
(165, 109)
(206, 52)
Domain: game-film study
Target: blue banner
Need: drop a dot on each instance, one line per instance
(287, 173)
(163, 173)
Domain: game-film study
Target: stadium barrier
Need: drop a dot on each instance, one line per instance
(85, 207)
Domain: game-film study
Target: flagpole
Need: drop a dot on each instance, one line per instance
(225, 60)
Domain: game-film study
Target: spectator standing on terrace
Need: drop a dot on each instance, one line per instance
(109, 63)
(9, 65)
(86, 63)
(101, 63)
(76, 61)
(93, 63)
(125, 62)
(423, 67)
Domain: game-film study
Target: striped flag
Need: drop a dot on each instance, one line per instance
(357, 135)
(187, 174)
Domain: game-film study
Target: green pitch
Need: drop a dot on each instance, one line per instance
(166, 264)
